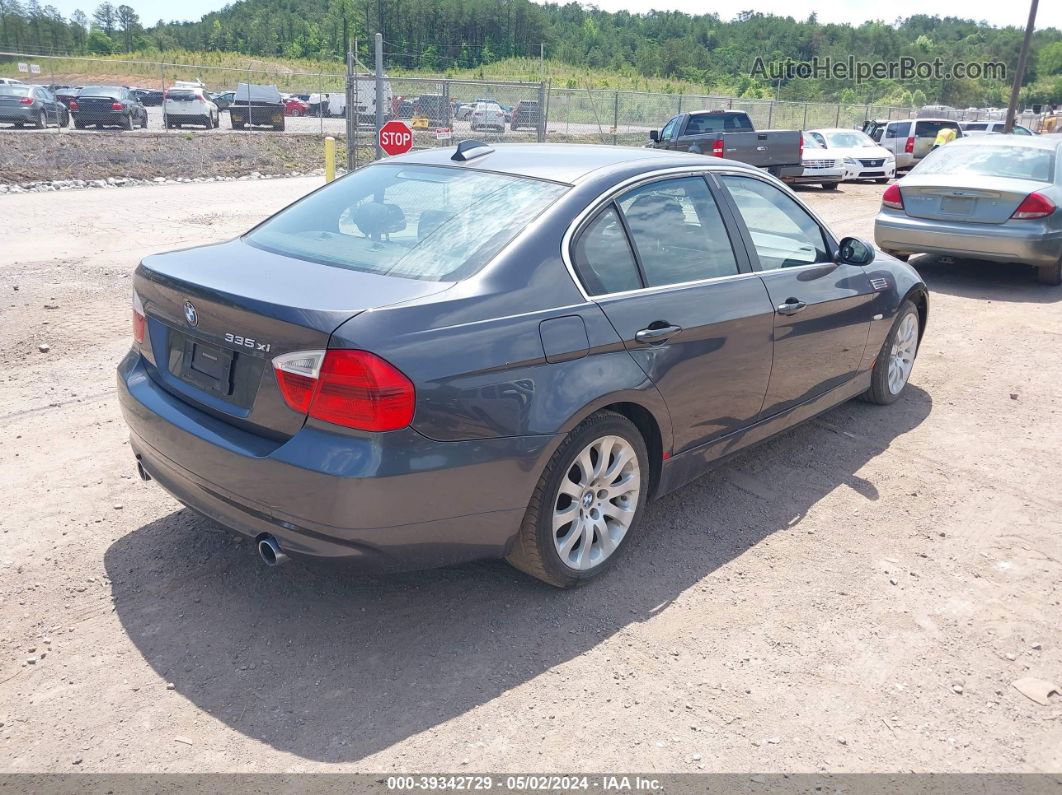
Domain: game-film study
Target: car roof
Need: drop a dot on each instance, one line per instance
(568, 163)
(1027, 141)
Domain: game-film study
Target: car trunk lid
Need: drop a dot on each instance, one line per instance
(968, 198)
(217, 316)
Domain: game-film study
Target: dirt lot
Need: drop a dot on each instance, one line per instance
(857, 595)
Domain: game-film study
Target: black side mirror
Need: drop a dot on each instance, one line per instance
(853, 251)
(654, 135)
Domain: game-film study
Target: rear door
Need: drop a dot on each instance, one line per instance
(895, 136)
(660, 263)
(821, 309)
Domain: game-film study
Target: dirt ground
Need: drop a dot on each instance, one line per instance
(857, 595)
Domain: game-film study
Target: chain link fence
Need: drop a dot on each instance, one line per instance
(440, 111)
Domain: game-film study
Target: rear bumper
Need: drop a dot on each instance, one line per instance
(24, 115)
(817, 176)
(99, 117)
(1021, 242)
(387, 501)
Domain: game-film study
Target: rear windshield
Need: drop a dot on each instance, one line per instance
(14, 91)
(1020, 162)
(182, 95)
(417, 222)
(714, 123)
(929, 129)
(114, 92)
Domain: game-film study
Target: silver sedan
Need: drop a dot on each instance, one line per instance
(993, 198)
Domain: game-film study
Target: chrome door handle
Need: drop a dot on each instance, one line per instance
(653, 336)
(791, 307)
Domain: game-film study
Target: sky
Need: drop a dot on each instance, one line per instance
(855, 11)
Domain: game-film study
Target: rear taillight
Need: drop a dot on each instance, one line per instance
(355, 389)
(116, 106)
(1035, 205)
(717, 148)
(909, 146)
(892, 197)
(72, 105)
(139, 321)
(26, 101)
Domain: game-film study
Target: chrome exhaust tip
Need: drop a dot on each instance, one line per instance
(270, 553)
(143, 473)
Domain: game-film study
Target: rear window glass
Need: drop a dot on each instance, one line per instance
(1020, 162)
(114, 92)
(929, 129)
(976, 127)
(714, 123)
(418, 222)
(14, 91)
(182, 96)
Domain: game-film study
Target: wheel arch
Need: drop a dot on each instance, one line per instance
(919, 296)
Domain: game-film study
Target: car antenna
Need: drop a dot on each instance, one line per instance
(467, 150)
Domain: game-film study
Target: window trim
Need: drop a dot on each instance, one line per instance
(609, 196)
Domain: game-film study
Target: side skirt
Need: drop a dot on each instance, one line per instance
(681, 469)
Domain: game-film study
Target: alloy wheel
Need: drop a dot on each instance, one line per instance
(902, 355)
(596, 502)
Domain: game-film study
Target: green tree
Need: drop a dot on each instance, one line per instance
(99, 43)
(105, 18)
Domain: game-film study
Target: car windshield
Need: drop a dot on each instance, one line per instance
(418, 222)
(14, 91)
(100, 91)
(849, 139)
(813, 140)
(1019, 162)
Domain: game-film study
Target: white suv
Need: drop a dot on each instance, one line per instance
(189, 106)
(990, 128)
(488, 114)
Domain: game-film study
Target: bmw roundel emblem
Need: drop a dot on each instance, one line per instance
(190, 314)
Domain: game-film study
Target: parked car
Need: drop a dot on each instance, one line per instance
(526, 115)
(394, 372)
(33, 105)
(256, 105)
(730, 134)
(434, 107)
(10, 81)
(223, 99)
(861, 156)
(67, 95)
(488, 116)
(149, 97)
(909, 140)
(991, 128)
(190, 106)
(293, 106)
(819, 166)
(107, 106)
(987, 197)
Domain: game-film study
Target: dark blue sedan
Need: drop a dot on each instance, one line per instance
(506, 352)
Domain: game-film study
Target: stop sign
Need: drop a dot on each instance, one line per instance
(396, 137)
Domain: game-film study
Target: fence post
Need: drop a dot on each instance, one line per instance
(615, 119)
(379, 93)
(542, 112)
(837, 119)
(680, 103)
(352, 109)
(770, 113)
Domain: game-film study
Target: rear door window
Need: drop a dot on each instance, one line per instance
(678, 234)
(898, 130)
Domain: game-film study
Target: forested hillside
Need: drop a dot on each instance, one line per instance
(446, 35)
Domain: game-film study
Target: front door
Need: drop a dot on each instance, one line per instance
(660, 264)
(822, 309)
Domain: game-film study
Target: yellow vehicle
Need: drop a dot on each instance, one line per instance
(1052, 123)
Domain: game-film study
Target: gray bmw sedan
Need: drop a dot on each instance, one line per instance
(987, 197)
(500, 352)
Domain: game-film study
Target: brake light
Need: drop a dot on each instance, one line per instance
(1035, 205)
(355, 389)
(116, 106)
(909, 146)
(139, 321)
(892, 197)
(73, 105)
(717, 148)
(26, 101)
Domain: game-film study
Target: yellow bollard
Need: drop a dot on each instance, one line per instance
(330, 159)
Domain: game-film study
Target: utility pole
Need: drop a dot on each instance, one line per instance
(379, 93)
(1015, 89)
(352, 109)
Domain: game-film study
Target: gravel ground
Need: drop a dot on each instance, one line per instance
(856, 595)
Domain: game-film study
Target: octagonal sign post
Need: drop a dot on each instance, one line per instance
(396, 138)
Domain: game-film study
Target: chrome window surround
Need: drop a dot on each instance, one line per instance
(670, 173)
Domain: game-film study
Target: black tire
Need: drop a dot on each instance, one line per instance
(208, 123)
(534, 551)
(880, 392)
(64, 120)
(79, 125)
(144, 122)
(1050, 274)
(830, 185)
(127, 122)
(41, 121)
(881, 180)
